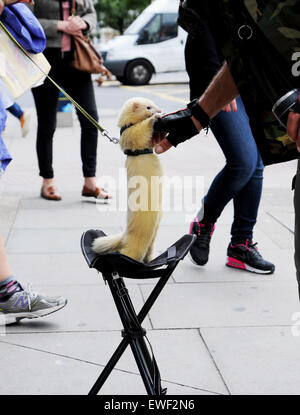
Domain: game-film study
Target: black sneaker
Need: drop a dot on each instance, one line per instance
(200, 249)
(246, 257)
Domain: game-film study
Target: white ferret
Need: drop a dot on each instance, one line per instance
(136, 122)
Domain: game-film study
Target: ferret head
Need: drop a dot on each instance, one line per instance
(136, 110)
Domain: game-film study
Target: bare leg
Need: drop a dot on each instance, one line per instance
(48, 182)
(49, 190)
(5, 270)
(91, 184)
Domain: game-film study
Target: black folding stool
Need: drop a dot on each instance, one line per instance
(114, 267)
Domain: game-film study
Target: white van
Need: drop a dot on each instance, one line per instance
(153, 43)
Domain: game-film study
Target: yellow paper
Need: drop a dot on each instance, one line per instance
(16, 70)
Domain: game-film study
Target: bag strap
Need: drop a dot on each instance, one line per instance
(114, 140)
(73, 9)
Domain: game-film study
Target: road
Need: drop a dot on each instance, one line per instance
(168, 90)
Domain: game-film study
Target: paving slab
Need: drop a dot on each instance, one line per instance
(89, 308)
(47, 240)
(181, 355)
(52, 269)
(278, 230)
(277, 197)
(8, 211)
(216, 270)
(222, 304)
(69, 201)
(286, 218)
(257, 360)
(54, 375)
(57, 218)
(28, 372)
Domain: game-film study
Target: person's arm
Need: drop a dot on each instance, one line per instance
(73, 26)
(76, 25)
(221, 91)
(90, 17)
(293, 127)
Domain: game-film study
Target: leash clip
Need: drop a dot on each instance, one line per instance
(114, 140)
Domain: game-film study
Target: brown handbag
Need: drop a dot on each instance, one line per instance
(86, 58)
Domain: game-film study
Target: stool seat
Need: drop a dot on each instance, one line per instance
(128, 267)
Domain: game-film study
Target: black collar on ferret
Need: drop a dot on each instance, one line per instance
(138, 152)
(135, 152)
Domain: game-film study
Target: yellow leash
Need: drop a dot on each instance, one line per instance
(79, 107)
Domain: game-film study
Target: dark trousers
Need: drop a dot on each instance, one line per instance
(297, 224)
(242, 177)
(79, 86)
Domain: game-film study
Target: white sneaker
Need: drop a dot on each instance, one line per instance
(28, 304)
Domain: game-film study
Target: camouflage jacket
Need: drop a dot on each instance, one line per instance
(260, 40)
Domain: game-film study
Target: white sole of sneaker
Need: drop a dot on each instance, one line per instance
(7, 319)
(236, 264)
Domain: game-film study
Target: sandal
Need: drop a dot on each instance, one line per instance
(50, 193)
(97, 193)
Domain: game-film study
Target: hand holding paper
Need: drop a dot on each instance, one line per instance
(8, 2)
(4, 3)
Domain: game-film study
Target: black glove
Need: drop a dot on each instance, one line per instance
(179, 125)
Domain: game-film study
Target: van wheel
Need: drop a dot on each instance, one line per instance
(138, 72)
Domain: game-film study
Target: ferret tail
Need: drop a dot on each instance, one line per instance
(110, 243)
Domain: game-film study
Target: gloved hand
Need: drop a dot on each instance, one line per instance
(178, 124)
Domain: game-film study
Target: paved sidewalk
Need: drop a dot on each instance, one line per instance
(213, 330)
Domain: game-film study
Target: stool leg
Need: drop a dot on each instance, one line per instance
(134, 331)
(124, 343)
(143, 365)
(109, 368)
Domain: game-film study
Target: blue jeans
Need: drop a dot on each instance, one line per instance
(242, 177)
(16, 110)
